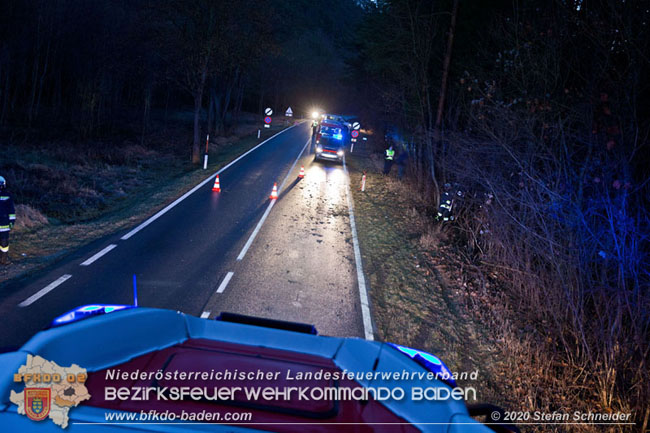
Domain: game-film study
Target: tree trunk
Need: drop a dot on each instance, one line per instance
(196, 151)
(5, 99)
(238, 102)
(145, 114)
(211, 112)
(260, 104)
(198, 103)
(445, 72)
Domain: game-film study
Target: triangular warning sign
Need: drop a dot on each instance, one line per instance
(289, 112)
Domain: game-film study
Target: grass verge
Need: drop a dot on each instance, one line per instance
(418, 288)
(148, 187)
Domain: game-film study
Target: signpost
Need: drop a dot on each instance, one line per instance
(267, 120)
(356, 126)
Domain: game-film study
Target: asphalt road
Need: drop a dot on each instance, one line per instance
(211, 252)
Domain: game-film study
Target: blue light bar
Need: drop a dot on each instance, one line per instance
(430, 362)
(86, 311)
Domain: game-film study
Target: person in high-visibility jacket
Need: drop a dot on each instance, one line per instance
(446, 203)
(7, 220)
(389, 159)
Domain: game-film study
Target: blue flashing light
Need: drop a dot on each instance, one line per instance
(338, 136)
(430, 362)
(86, 311)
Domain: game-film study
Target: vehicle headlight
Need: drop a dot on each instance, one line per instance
(319, 149)
(314, 115)
(340, 152)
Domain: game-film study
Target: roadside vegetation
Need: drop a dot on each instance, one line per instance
(536, 113)
(71, 193)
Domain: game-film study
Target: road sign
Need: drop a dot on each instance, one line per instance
(267, 120)
(289, 112)
(268, 111)
(356, 125)
(354, 133)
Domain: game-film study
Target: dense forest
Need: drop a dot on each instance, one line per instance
(536, 110)
(82, 66)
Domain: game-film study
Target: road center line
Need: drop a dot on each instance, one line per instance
(205, 315)
(250, 240)
(98, 255)
(363, 292)
(190, 192)
(45, 290)
(225, 282)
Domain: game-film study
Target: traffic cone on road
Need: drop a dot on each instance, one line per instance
(216, 187)
(274, 193)
(302, 172)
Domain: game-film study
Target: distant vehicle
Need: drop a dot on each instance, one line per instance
(130, 348)
(330, 129)
(338, 119)
(329, 147)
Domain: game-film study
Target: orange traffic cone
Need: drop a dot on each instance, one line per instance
(274, 193)
(302, 172)
(216, 187)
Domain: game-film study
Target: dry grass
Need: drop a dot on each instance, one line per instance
(415, 296)
(77, 201)
(429, 291)
(28, 218)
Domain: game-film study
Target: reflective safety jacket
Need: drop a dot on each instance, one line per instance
(444, 210)
(390, 154)
(7, 211)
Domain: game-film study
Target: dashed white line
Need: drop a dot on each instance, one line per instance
(98, 255)
(45, 290)
(363, 292)
(190, 192)
(205, 315)
(225, 282)
(250, 240)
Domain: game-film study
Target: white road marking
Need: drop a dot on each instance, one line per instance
(250, 240)
(363, 292)
(205, 315)
(190, 192)
(98, 255)
(225, 282)
(45, 290)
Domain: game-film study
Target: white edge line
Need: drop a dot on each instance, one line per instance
(98, 255)
(363, 292)
(225, 282)
(205, 315)
(250, 240)
(45, 290)
(294, 165)
(190, 192)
